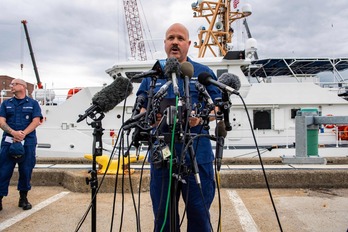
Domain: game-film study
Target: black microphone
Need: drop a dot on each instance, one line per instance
(220, 142)
(133, 120)
(232, 81)
(226, 110)
(107, 98)
(139, 102)
(200, 88)
(172, 69)
(206, 79)
(145, 74)
(162, 90)
(187, 71)
(155, 71)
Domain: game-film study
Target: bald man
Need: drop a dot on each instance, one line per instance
(176, 44)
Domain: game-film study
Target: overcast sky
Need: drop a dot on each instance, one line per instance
(75, 41)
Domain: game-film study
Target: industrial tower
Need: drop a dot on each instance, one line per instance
(219, 32)
(135, 32)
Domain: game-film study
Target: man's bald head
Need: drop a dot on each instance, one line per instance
(177, 42)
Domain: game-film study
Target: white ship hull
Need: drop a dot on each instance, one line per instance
(60, 135)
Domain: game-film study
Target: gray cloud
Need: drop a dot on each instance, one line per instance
(74, 42)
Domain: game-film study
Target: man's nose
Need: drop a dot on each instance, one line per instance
(175, 41)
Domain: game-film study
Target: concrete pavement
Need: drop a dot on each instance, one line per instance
(57, 209)
(306, 197)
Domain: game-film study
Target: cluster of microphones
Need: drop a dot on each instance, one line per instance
(113, 94)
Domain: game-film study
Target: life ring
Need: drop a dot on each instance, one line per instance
(73, 91)
(329, 126)
(343, 132)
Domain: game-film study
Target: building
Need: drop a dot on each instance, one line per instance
(5, 89)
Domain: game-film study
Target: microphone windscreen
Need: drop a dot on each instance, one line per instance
(204, 78)
(187, 69)
(230, 80)
(220, 129)
(113, 94)
(172, 66)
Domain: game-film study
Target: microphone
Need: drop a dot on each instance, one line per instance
(226, 110)
(204, 92)
(138, 104)
(187, 72)
(162, 90)
(233, 81)
(172, 69)
(107, 98)
(206, 79)
(145, 74)
(230, 80)
(135, 119)
(155, 71)
(220, 142)
(187, 69)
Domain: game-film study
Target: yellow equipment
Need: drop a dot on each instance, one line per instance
(123, 167)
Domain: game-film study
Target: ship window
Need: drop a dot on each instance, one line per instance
(262, 119)
(294, 113)
(234, 55)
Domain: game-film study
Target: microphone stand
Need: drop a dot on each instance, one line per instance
(97, 151)
(175, 181)
(186, 138)
(150, 97)
(188, 135)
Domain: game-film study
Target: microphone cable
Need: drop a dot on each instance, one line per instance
(218, 186)
(115, 188)
(190, 143)
(262, 166)
(192, 157)
(170, 165)
(121, 148)
(217, 177)
(137, 210)
(84, 216)
(139, 190)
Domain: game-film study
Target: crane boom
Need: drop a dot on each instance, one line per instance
(135, 32)
(39, 84)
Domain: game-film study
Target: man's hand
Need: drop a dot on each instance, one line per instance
(18, 136)
(194, 121)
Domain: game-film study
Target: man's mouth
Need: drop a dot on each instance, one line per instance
(175, 49)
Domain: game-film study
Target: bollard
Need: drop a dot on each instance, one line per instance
(312, 141)
(312, 132)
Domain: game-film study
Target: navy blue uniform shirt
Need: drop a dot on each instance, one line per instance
(19, 113)
(203, 151)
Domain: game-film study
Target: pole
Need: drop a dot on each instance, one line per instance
(39, 84)
(93, 181)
